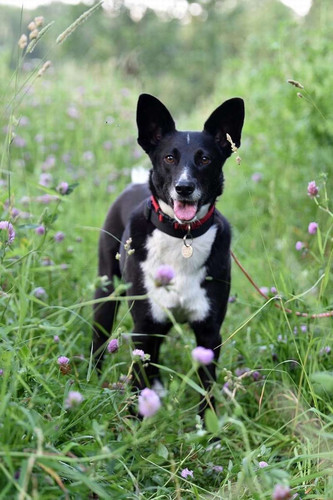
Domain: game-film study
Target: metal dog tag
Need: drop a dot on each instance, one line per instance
(187, 251)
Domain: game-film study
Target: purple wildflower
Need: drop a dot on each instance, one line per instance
(66, 157)
(312, 228)
(1, 372)
(59, 236)
(46, 261)
(24, 121)
(39, 138)
(88, 156)
(15, 212)
(164, 275)
(62, 188)
(40, 230)
(263, 464)
(325, 350)
(240, 371)
(186, 472)
(39, 292)
(56, 339)
(63, 360)
(24, 215)
(49, 163)
(281, 492)
(299, 245)
(107, 145)
(139, 353)
(47, 198)
(149, 402)
(312, 189)
(226, 386)
(19, 142)
(113, 345)
(45, 179)
(256, 177)
(74, 398)
(304, 328)
(73, 112)
(7, 226)
(217, 468)
(202, 355)
(264, 290)
(256, 375)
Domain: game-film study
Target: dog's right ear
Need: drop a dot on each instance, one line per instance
(153, 120)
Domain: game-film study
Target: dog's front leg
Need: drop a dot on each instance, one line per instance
(104, 317)
(208, 336)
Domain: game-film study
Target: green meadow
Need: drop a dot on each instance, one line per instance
(68, 146)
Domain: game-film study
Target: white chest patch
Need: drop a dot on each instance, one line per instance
(184, 297)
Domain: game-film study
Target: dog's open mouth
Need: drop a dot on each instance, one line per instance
(185, 210)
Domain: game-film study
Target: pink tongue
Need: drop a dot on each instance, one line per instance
(184, 211)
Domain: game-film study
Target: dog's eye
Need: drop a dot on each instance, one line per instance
(170, 159)
(205, 160)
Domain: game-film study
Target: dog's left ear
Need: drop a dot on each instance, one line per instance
(153, 120)
(227, 119)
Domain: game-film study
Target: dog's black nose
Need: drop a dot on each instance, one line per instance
(185, 188)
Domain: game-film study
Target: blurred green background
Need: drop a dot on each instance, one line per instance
(184, 53)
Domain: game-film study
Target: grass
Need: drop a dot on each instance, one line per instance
(77, 126)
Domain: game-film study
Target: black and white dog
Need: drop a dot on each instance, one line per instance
(172, 221)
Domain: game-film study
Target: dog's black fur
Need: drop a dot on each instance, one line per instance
(185, 179)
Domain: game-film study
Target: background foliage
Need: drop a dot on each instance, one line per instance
(76, 124)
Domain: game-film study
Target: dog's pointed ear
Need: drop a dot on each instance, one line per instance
(227, 119)
(153, 120)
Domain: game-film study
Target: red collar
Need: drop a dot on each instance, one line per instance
(168, 225)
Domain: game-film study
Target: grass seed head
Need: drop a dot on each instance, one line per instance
(234, 148)
(68, 31)
(34, 34)
(32, 26)
(42, 70)
(23, 41)
(39, 21)
(295, 83)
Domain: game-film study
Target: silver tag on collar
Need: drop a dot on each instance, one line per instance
(187, 250)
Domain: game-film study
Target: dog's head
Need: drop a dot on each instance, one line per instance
(187, 177)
